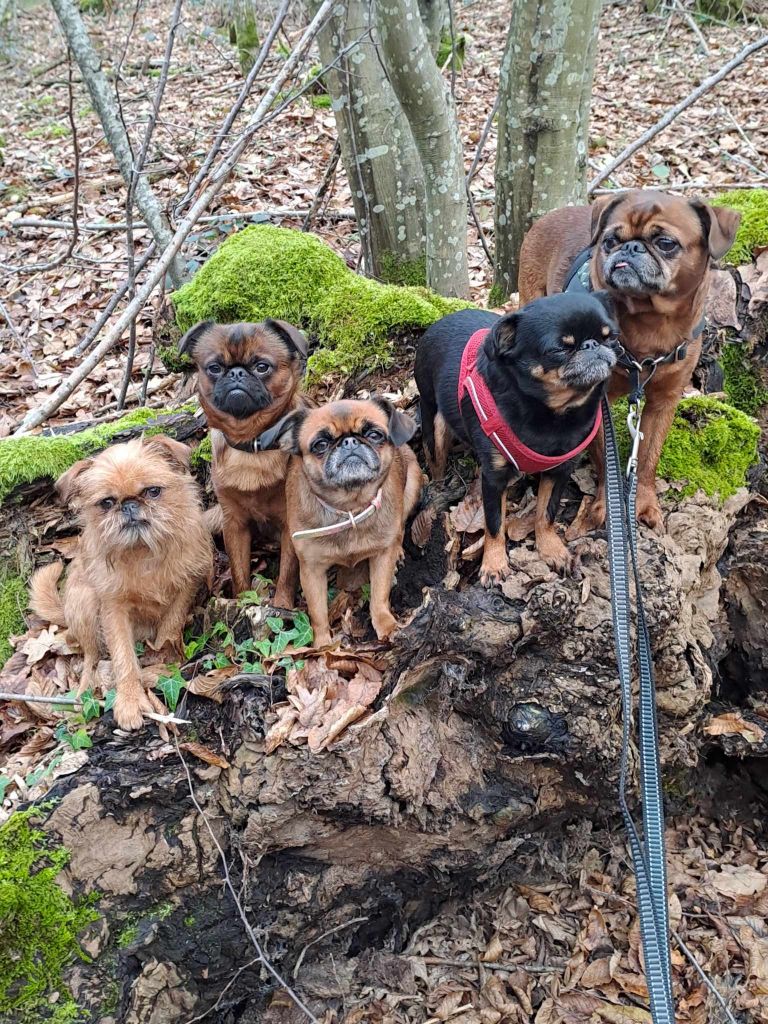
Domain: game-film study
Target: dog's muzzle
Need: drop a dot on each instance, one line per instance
(351, 462)
(632, 268)
(591, 365)
(238, 393)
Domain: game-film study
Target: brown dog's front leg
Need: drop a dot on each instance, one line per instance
(548, 543)
(657, 418)
(285, 589)
(237, 544)
(495, 564)
(132, 700)
(382, 569)
(314, 583)
(169, 632)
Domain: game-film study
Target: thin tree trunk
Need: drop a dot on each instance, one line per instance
(378, 150)
(427, 104)
(104, 103)
(545, 87)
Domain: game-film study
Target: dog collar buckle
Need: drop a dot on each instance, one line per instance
(251, 446)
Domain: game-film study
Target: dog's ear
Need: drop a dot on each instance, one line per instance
(291, 335)
(602, 208)
(69, 484)
(606, 301)
(174, 452)
(401, 427)
(719, 225)
(284, 434)
(503, 335)
(193, 336)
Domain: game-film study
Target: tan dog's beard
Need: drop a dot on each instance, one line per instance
(161, 526)
(643, 275)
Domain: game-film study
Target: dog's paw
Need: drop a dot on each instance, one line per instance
(132, 703)
(649, 510)
(558, 557)
(384, 624)
(494, 573)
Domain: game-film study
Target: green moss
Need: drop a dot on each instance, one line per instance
(753, 230)
(13, 601)
(173, 360)
(395, 270)
(33, 457)
(743, 384)
(710, 446)
(130, 930)
(202, 455)
(265, 271)
(497, 296)
(40, 924)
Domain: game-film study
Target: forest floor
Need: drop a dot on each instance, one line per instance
(566, 946)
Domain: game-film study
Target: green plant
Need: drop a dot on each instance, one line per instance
(219, 649)
(13, 601)
(40, 924)
(742, 381)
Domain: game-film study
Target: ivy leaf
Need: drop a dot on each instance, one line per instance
(302, 630)
(80, 740)
(170, 687)
(91, 707)
(264, 647)
(109, 699)
(4, 784)
(281, 641)
(275, 624)
(660, 170)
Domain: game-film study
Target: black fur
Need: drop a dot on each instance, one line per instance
(516, 345)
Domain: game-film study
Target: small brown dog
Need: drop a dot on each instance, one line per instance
(248, 378)
(651, 251)
(142, 555)
(351, 485)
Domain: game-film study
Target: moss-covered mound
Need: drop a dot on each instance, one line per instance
(40, 925)
(35, 457)
(13, 601)
(753, 230)
(741, 379)
(710, 446)
(264, 271)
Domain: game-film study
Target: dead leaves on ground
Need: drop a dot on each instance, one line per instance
(322, 703)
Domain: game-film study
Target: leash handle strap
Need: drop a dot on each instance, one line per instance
(649, 854)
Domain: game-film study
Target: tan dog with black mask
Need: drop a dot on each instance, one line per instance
(248, 378)
(352, 483)
(651, 252)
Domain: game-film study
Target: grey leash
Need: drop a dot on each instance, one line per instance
(648, 854)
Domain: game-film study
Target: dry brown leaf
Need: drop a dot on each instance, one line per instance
(204, 754)
(468, 515)
(281, 730)
(210, 684)
(47, 641)
(623, 1014)
(732, 724)
(721, 301)
(494, 950)
(755, 276)
(421, 527)
(519, 527)
(596, 974)
(738, 880)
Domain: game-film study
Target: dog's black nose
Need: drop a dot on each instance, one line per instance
(634, 248)
(348, 443)
(236, 374)
(130, 509)
(589, 345)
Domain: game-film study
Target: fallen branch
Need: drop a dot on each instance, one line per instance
(24, 348)
(103, 100)
(346, 213)
(36, 698)
(219, 176)
(473, 171)
(675, 111)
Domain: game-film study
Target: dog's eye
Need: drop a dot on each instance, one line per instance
(610, 242)
(374, 435)
(152, 492)
(319, 447)
(107, 503)
(262, 367)
(667, 245)
(213, 369)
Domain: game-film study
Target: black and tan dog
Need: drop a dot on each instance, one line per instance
(248, 378)
(652, 252)
(523, 391)
(352, 482)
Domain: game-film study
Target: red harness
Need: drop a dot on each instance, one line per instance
(496, 428)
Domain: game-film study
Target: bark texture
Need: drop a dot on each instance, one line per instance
(378, 149)
(427, 104)
(500, 727)
(545, 86)
(105, 105)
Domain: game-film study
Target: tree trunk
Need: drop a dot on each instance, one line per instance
(377, 147)
(427, 104)
(499, 727)
(105, 105)
(545, 88)
(244, 33)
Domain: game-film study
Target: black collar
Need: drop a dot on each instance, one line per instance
(251, 446)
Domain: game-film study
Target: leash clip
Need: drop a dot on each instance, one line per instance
(633, 425)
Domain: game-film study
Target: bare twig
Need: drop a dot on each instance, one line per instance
(325, 935)
(229, 120)
(675, 111)
(36, 698)
(241, 911)
(704, 977)
(19, 340)
(346, 213)
(691, 23)
(473, 171)
(218, 177)
(325, 184)
(227, 987)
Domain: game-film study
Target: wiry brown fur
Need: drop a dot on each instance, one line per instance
(377, 539)
(122, 585)
(250, 487)
(651, 325)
